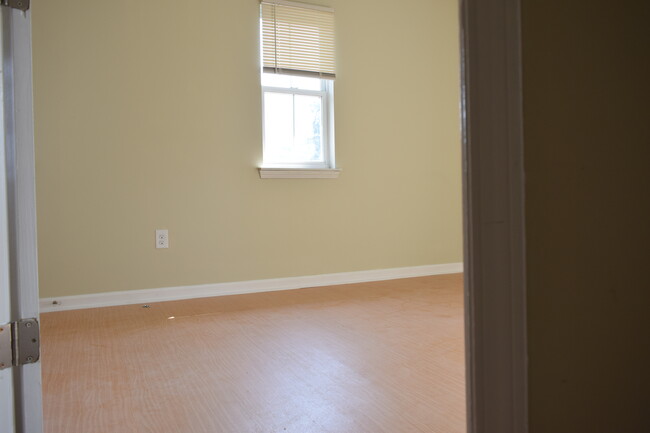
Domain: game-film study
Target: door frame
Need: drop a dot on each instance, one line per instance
(493, 209)
(7, 409)
(494, 216)
(21, 204)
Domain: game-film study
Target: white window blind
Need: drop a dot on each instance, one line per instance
(297, 39)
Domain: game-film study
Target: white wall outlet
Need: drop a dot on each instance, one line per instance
(162, 238)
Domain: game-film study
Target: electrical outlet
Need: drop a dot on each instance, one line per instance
(162, 238)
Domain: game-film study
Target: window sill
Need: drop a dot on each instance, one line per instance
(299, 173)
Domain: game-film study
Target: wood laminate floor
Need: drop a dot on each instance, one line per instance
(381, 357)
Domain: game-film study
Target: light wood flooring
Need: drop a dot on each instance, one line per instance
(381, 357)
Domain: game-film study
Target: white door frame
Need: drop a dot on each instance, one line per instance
(21, 204)
(493, 190)
(7, 422)
(493, 216)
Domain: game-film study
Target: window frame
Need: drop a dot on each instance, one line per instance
(327, 122)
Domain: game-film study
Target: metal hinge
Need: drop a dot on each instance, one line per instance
(20, 343)
(23, 5)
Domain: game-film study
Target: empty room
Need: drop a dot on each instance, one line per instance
(243, 216)
(249, 216)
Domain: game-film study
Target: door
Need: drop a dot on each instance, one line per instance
(20, 386)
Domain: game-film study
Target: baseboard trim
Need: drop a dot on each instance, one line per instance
(109, 299)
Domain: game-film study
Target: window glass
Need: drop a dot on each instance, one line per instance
(293, 128)
(278, 126)
(308, 126)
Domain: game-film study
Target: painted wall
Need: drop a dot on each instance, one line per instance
(587, 145)
(148, 116)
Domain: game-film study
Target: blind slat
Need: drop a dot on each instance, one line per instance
(297, 39)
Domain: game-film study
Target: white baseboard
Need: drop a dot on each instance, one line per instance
(108, 299)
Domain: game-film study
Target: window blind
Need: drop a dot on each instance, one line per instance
(297, 39)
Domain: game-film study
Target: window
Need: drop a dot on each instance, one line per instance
(296, 120)
(297, 90)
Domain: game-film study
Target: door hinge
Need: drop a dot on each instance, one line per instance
(23, 5)
(20, 343)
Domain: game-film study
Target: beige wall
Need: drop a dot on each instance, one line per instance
(148, 116)
(587, 150)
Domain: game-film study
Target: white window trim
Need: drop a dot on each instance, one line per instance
(298, 173)
(318, 170)
(301, 5)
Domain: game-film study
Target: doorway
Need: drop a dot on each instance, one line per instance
(475, 130)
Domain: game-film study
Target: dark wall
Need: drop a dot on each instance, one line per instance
(587, 158)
